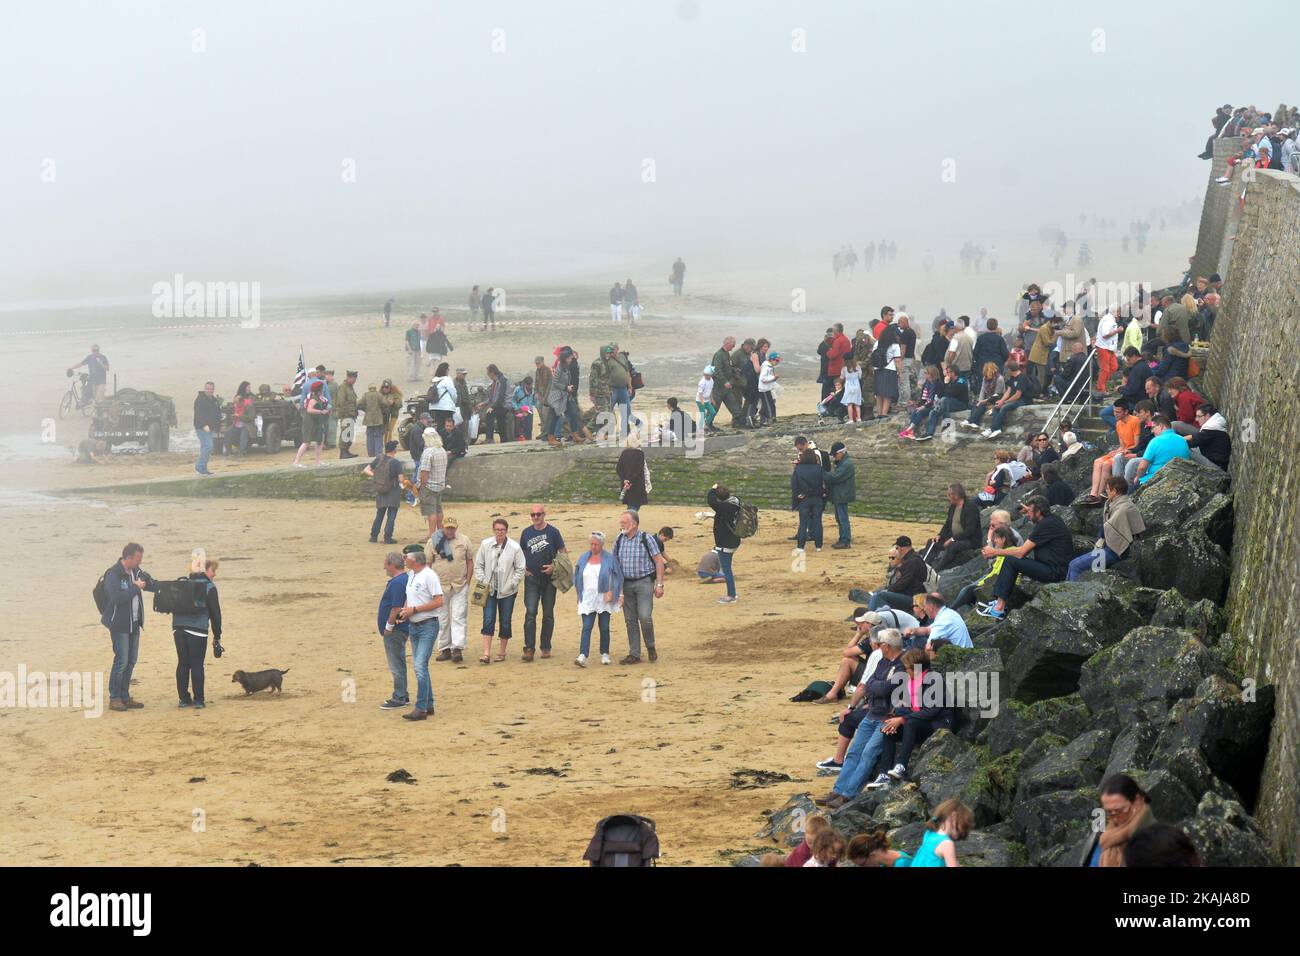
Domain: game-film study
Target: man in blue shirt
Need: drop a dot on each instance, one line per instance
(944, 622)
(394, 631)
(1164, 447)
(540, 542)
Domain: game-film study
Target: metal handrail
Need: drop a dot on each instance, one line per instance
(1077, 406)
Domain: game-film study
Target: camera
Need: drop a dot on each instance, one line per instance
(217, 649)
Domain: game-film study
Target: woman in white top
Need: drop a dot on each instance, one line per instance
(852, 377)
(500, 565)
(768, 387)
(1107, 347)
(704, 399)
(598, 579)
(442, 395)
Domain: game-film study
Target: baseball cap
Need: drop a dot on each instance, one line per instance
(903, 541)
(838, 447)
(449, 522)
(868, 617)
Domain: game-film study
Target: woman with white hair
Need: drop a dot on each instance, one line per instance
(633, 473)
(598, 579)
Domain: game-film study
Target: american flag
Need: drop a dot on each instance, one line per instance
(300, 377)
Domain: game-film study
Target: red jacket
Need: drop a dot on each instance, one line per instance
(840, 347)
(1186, 403)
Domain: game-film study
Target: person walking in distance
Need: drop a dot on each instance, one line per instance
(616, 302)
(678, 276)
(631, 302)
(123, 615)
(489, 303)
(346, 405)
(388, 312)
(540, 542)
(423, 599)
(642, 562)
(207, 422)
(412, 349)
(190, 634)
(393, 631)
(452, 560)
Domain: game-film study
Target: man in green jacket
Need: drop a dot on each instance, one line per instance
(618, 378)
(728, 383)
(843, 486)
(345, 404)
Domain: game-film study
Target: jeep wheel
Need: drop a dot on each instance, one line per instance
(273, 438)
(155, 437)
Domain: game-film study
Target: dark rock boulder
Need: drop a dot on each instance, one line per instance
(955, 578)
(789, 822)
(1176, 493)
(1078, 765)
(1052, 827)
(1142, 676)
(985, 785)
(1018, 725)
(973, 680)
(984, 848)
(1215, 521)
(1132, 750)
(901, 806)
(1227, 727)
(1045, 643)
(1184, 560)
(1171, 799)
(1225, 835)
(1206, 620)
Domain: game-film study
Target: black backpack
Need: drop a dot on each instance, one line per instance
(100, 593)
(623, 840)
(182, 596)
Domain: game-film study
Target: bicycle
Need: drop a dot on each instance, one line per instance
(79, 395)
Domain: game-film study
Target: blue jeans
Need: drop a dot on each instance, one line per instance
(374, 440)
(724, 560)
(126, 648)
(395, 650)
(505, 608)
(863, 752)
(977, 412)
(423, 636)
(943, 408)
(883, 598)
(619, 401)
(810, 521)
(1084, 562)
(205, 450)
(1000, 414)
(842, 522)
(379, 521)
(571, 416)
(584, 644)
(538, 591)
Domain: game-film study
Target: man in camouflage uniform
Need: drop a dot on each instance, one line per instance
(372, 404)
(345, 404)
(728, 381)
(542, 389)
(598, 387)
(391, 396)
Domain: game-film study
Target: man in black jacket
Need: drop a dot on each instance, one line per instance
(960, 532)
(207, 422)
(123, 615)
(904, 579)
(990, 346)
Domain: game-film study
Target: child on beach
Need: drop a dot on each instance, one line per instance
(704, 400)
(813, 827)
(872, 849)
(852, 379)
(952, 821)
(827, 849)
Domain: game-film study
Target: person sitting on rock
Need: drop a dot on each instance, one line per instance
(904, 577)
(1129, 427)
(1000, 538)
(857, 656)
(910, 725)
(1052, 547)
(1006, 474)
(1164, 447)
(827, 849)
(873, 849)
(960, 532)
(861, 742)
(1211, 445)
(813, 827)
(944, 622)
(1121, 524)
(1058, 490)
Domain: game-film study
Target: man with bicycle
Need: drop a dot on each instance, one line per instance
(96, 364)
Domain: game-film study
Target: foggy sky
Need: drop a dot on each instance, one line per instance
(226, 164)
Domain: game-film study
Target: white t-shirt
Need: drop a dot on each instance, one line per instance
(422, 588)
(704, 391)
(1108, 333)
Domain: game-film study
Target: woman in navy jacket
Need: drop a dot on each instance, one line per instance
(808, 497)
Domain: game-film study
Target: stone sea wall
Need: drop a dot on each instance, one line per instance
(1217, 211)
(1254, 377)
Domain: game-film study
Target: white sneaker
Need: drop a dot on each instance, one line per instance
(898, 772)
(994, 434)
(829, 764)
(604, 658)
(971, 425)
(880, 783)
(984, 433)
(726, 600)
(581, 660)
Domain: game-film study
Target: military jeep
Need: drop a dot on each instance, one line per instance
(276, 419)
(134, 415)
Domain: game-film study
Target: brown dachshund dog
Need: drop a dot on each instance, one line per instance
(259, 680)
